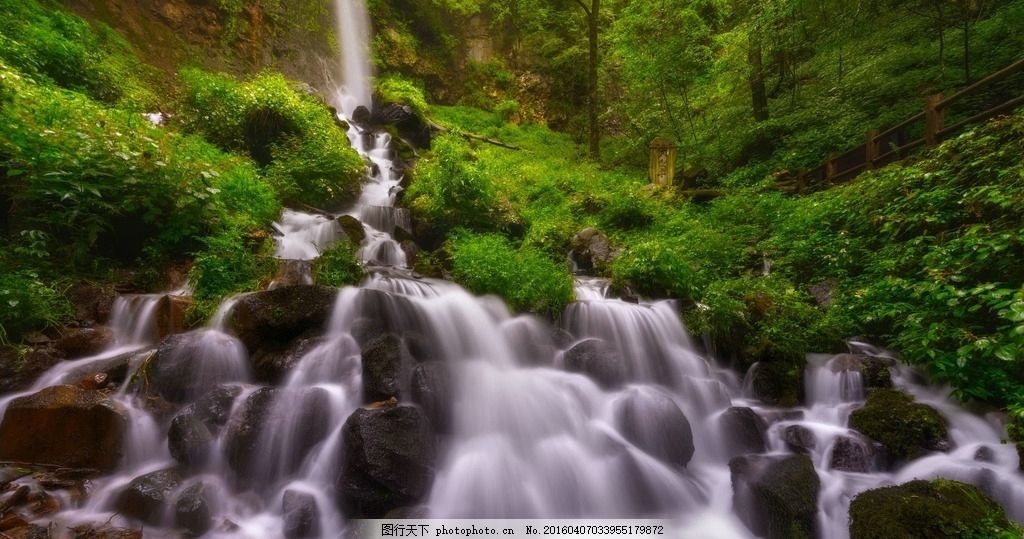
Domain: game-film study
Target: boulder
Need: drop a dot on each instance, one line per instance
(906, 429)
(91, 303)
(301, 515)
(382, 368)
(281, 315)
(776, 496)
(193, 432)
(743, 431)
(874, 371)
(188, 365)
(593, 358)
(171, 317)
(852, 454)
(387, 460)
(799, 439)
(433, 390)
(591, 250)
(103, 531)
(408, 124)
(272, 364)
(115, 369)
(192, 510)
(19, 371)
(292, 273)
(147, 496)
(410, 249)
(75, 343)
(352, 228)
(776, 382)
(361, 116)
(654, 423)
(927, 509)
(64, 425)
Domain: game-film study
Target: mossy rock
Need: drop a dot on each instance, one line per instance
(906, 428)
(777, 382)
(776, 496)
(926, 510)
(875, 373)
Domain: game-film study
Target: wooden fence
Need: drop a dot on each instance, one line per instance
(895, 144)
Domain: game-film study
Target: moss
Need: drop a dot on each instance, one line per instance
(907, 429)
(875, 373)
(926, 510)
(783, 494)
(338, 266)
(778, 382)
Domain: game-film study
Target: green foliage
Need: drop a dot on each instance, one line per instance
(53, 45)
(397, 89)
(338, 266)
(449, 190)
(28, 304)
(232, 261)
(306, 156)
(657, 267)
(524, 277)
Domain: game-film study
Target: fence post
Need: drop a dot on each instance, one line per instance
(934, 119)
(871, 150)
(830, 168)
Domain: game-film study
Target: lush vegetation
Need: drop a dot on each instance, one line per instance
(338, 266)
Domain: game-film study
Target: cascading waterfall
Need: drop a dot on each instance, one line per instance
(613, 414)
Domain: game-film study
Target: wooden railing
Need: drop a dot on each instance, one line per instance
(895, 144)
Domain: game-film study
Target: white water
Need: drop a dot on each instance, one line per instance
(353, 30)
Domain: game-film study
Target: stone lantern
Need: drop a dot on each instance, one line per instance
(662, 167)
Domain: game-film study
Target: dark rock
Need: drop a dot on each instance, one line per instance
(822, 292)
(192, 510)
(927, 509)
(593, 358)
(433, 390)
(874, 371)
(82, 342)
(301, 515)
(654, 423)
(776, 496)
(292, 273)
(64, 425)
(31, 531)
(408, 124)
(104, 531)
(799, 439)
(984, 454)
(171, 317)
(190, 439)
(281, 315)
(352, 228)
(245, 427)
(367, 329)
(361, 116)
(906, 428)
(410, 249)
(272, 364)
(382, 368)
(418, 346)
(851, 454)
(387, 460)
(19, 371)
(188, 365)
(115, 369)
(591, 250)
(91, 303)
(146, 497)
(743, 431)
(776, 382)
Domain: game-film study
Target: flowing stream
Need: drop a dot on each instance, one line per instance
(528, 437)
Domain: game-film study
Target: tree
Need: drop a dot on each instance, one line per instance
(593, 13)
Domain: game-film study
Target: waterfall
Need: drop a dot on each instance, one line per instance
(353, 32)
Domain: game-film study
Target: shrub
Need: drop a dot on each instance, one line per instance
(233, 261)
(448, 189)
(394, 88)
(338, 266)
(656, 268)
(28, 304)
(489, 264)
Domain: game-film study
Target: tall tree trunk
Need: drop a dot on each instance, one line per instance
(757, 90)
(595, 131)
(967, 46)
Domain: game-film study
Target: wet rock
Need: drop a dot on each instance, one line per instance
(301, 515)
(64, 425)
(19, 371)
(192, 510)
(352, 228)
(906, 429)
(30, 531)
(293, 273)
(272, 364)
(189, 439)
(926, 509)
(305, 415)
(432, 389)
(188, 365)
(281, 315)
(778, 383)
(743, 430)
(170, 315)
(104, 531)
(408, 125)
(361, 116)
(91, 303)
(75, 343)
(776, 496)
(874, 371)
(591, 250)
(410, 249)
(115, 369)
(654, 423)
(366, 329)
(418, 346)
(382, 368)
(799, 439)
(147, 496)
(387, 460)
(593, 358)
(851, 454)
(984, 454)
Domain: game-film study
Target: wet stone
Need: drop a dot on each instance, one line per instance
(743, 430)
(655, 424)
(593, 358)
(192, 510)
(146, 497)
(799, 439)
(301, 515)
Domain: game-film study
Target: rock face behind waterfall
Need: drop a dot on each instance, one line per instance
(776, 496)
(926, 509)
(64, 425)
(280, 315)
(387, 460)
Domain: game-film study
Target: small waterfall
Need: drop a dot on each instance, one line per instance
(353, 31)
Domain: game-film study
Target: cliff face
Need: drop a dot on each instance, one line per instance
(238, 37)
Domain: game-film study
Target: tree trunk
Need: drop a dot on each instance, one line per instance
(967, 47)
(595, 132)
(757, 90)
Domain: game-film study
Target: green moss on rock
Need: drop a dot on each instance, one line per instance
(907, 429)
(926, 510)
